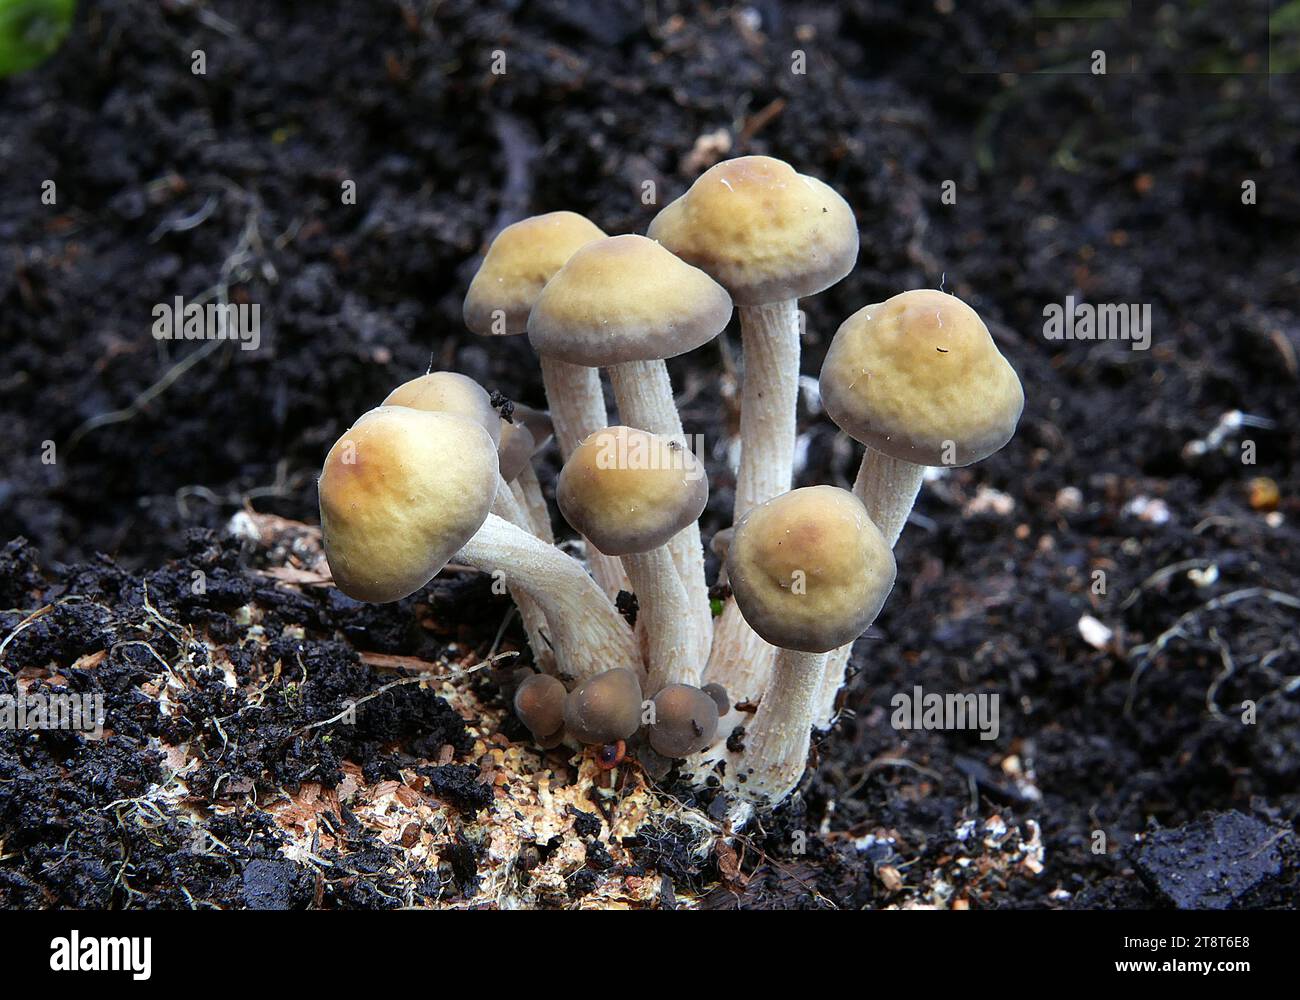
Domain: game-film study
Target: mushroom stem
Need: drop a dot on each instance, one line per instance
(888, 488)
(588, 634)
(535, 503)
(769, 396)
(741, 660)
(665, 616)
(644, 395)
(777, 740)
(577, 405)
(507, 506)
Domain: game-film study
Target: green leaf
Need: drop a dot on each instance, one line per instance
(30, 31)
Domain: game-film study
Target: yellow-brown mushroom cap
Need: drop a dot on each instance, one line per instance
(919, 378)
(626, 298)
(537, 421)
(401, 492)
(515, 449)
(766, 232)
(809, 569)
(628, 490)
(449, 392)
(520, 261)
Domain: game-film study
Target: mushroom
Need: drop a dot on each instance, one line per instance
(539, 704)
(515, 449)
(604, 708)
(400, 492)
(630, 492)
(451, 392)
(627, 304)
(518, 264)
(685, 721)
(770, 236)
(810, 572)
(918, 380)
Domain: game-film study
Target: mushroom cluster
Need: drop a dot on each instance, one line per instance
(436, 473)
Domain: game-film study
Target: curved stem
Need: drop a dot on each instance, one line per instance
(506, 506)
(588, 634)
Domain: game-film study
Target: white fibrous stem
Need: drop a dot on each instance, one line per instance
(530, 490)
(589, 636)
(506, 506)
(740, 660)
(768, 398)
(577, 405)
(888, 488)
(777, 740)
(645, 400)
(671, 653)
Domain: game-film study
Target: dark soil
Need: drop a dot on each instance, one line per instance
(1121, 188)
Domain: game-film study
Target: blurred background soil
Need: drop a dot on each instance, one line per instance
(1125, 187)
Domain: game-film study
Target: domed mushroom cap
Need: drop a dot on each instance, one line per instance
(764, 231)
(809, 569)
(400, 494)
(626, 298)
(628, 490)
(520, 261)
(686, 720)
(449, 392)
(604, 708)
(909, 375)
(539, 704)
(515, 450)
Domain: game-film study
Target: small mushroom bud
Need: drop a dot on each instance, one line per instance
(686, 720)
(401, 491)
(449, 392)
(605, 708)
(810, 572)
(515, 449)
(631, 492)
(719, 695)
(539, 704)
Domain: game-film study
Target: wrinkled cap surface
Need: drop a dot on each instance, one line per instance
(520, 261)
(401, 492)
(918, 378)
(686, 720)
(766, 232)
(515, 449)
(449, 392)
(809, 569)
(628, 490)
(539, 704)
(604, 708)
(626, 298)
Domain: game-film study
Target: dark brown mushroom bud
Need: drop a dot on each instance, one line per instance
(719, 695)
(605, 708)
(686, 720)
(539, 703)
